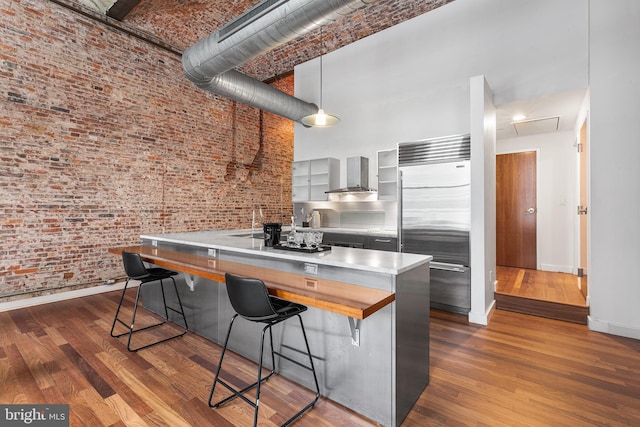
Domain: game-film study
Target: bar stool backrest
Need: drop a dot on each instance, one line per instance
(133, 265)
(250, 298)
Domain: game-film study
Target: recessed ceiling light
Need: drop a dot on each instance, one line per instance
(519, 117)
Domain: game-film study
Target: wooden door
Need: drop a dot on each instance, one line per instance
(583, 210)
(516, 210)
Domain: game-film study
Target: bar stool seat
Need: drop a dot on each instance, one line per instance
(251, 300)
(135, 270)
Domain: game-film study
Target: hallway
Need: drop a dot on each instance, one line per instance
(541, 293)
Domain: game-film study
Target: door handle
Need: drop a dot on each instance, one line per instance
(530, 211)
(582, 210)
(438, 266)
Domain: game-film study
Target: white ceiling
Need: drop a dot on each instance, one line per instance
(564, 105)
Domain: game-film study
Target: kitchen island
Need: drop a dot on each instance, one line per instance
(374, 361)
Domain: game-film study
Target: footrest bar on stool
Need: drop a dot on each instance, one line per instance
(157, 342)
(238, 393)
(136, 330)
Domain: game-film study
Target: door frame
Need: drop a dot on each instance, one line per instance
(585, 120)
(537, 151)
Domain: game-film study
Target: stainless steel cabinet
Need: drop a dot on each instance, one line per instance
(345, 240)
(381, 243)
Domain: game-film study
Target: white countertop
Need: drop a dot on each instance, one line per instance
(359, 259)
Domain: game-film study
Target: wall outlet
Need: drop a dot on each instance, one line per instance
(310, 268)
(211, 252)
(311, 284)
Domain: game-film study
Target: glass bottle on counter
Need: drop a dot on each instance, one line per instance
(291, 238)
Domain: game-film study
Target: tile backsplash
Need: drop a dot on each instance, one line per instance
(379, 214)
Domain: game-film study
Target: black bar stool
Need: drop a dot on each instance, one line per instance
(135, 269)
(251, 300)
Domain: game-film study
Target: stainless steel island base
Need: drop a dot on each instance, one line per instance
(377, 366)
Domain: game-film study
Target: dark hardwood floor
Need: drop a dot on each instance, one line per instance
(518, 371)
(541, 293)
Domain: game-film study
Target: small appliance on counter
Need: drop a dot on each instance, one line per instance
(272, 231)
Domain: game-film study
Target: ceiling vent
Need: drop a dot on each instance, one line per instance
(247, 18)
(532, 127)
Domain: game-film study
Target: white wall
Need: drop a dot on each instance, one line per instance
(557, 196)
(411, 81)
(614, 285)
(482, 119)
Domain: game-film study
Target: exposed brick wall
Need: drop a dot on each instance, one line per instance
(103, 140)
(184, 23)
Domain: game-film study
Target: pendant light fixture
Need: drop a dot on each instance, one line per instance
(320, 119)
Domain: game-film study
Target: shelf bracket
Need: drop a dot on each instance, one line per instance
(354, 326)
(189, 280)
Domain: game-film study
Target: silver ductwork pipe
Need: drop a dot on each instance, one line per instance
(247, 90)
(211, 62)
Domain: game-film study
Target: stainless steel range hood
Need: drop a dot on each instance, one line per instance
(357, 177)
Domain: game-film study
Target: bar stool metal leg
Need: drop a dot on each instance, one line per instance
(260, 378)
(251, 300)
(217, 379)
(131, 326)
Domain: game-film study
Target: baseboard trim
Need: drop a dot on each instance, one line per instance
(558, 268)
(482, 318)
(613, 328)
(62, 296)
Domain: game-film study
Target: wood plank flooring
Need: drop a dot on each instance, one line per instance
(541, 293)
(542, 285)
(518, 371)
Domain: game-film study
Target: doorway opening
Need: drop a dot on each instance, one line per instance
(522, 285)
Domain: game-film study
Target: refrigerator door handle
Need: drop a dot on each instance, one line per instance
(399, 219)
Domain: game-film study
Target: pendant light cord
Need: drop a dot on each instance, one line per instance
(321, 53)
(320, 118)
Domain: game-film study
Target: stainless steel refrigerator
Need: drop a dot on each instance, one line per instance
(434, 214)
